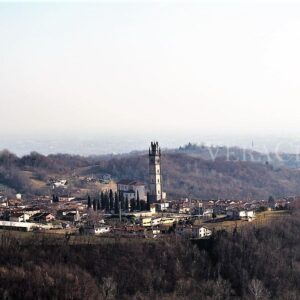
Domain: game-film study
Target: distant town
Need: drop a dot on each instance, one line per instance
(131, 208)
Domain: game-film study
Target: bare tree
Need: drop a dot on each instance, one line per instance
(108, 288)
(257, 290)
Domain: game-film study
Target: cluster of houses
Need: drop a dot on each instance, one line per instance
(62, 184)
(40, 212)
(163, 217)
(160, 216)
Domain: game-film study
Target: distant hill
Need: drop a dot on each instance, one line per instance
(240, 154)
(186, 172)
(185, 175)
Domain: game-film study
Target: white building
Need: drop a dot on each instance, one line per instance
(96, 230)
(208, 212)
(65, 198)
(19, 217)
(247, 214)
(30, 211)
(201, 232)
(152, 208)
(240, 214)
(162, 206)
(24, 226)
(60, 183)
(131, 189)
(148, 221)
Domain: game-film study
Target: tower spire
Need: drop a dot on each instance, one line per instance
(155, 172)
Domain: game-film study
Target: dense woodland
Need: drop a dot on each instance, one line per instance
(184, 174)
(255, 263)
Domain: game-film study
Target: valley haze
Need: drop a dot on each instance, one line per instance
(93, 144)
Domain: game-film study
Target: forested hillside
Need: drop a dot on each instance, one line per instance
(183, 174)
(277, 159)
(255, 263)
(13, 169)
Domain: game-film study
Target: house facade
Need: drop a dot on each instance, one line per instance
(96, 230)
(19, 217)
(201, 232)
(131, 189)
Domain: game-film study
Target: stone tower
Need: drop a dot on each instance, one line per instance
(155, 173)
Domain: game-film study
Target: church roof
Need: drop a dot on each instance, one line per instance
(130, 182)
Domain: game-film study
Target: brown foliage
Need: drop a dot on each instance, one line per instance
(255, 263)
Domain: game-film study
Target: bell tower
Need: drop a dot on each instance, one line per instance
(155, 173)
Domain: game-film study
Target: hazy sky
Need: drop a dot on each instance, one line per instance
(145, 67)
